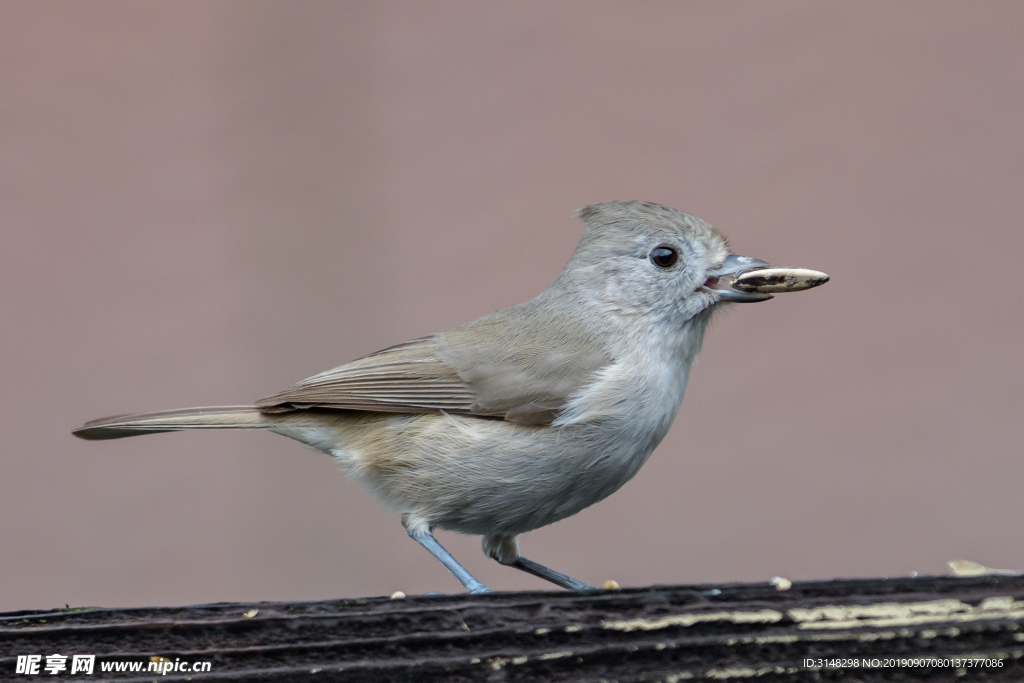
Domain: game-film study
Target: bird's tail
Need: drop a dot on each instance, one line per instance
(221, 417)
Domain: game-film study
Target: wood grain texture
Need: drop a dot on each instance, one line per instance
(664, 633)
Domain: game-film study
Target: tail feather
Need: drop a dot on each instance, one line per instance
(220, 417)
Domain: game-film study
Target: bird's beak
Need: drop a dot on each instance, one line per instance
(720, 281)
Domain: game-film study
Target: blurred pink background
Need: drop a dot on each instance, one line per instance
(204, 202)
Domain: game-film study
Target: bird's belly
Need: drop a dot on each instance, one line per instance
(481, 476)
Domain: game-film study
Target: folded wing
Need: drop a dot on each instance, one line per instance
(407, 378)
(507, 365)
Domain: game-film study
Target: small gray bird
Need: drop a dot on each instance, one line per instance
(527, 415)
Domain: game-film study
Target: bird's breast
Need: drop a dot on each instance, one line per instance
(639, 394)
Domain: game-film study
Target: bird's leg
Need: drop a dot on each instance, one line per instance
(505, 549)
(420, 533)
(548, 574)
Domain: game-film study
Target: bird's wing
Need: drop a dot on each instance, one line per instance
(508, 365)
(407, 378)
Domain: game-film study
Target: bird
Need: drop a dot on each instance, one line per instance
(527, 415)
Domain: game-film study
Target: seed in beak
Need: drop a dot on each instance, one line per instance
(778, 280)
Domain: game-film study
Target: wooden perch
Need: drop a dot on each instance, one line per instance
(906, 629)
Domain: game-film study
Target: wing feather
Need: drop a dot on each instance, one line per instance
(521, 364)
(406, 378)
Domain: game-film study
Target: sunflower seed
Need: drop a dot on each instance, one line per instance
(774, 280)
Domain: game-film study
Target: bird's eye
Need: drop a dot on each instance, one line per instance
(664, 257)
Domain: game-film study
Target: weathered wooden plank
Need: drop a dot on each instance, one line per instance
(664, 633)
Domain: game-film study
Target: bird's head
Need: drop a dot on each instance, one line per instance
(647, 260)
